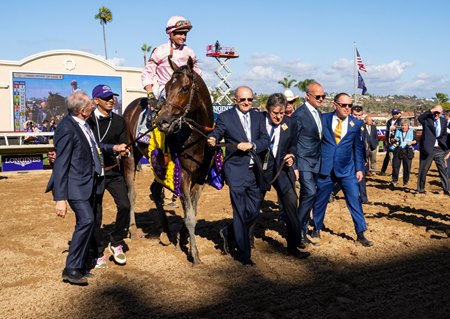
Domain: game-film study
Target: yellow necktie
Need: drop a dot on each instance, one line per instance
(338, 131)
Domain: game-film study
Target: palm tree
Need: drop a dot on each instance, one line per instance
(145, 48)
(287, 82)
(442, 97)
(105, 16)
(301, 85)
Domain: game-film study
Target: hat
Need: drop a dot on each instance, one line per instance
(290, 95)
(395, 111)
(102, 91)
(178, 23)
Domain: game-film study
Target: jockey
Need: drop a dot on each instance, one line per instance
(158, 65)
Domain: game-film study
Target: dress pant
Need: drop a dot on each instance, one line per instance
(424, 166)
(308, 193)
(246, 202)
(81, 238)
(116, 186)
(396, 163)
(361, 186)
(387, 158)
(373, 160)
(349, 185)
(289, 201)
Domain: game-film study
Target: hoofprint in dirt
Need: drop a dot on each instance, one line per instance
(405, 274)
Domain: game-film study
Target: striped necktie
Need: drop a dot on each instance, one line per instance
(96, 153)
(338, 131)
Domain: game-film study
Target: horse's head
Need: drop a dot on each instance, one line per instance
(180, 97)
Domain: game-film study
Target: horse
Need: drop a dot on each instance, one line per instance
(185, 117)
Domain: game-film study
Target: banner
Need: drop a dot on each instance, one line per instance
(11, 163)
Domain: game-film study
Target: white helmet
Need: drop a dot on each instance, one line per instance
(178, 23)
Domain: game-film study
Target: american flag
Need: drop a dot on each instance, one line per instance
(359, 61)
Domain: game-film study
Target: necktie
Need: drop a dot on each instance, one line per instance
(318, 122)
(338, 131)
(272, 138)
(437, 127)
(96, 153)
(247, 126)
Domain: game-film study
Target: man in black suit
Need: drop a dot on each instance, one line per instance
(77, 175)
(433, 147)
(308, 154)
(371, 136)
(283, 145)
(447, 117)
(391, 126)
(246, 136)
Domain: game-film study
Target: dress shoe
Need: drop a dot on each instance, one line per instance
(447, 193)
(368, 174)
(315, 233)
(248, 262)
(223, 234)
(363, 240)
(382, 174)
(74, 277)
(294, 252)
(366, 202)
(421, 191)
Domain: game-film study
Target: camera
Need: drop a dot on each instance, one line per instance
(395, 142)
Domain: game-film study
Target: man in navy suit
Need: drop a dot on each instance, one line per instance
(77, 174)
(308, 152)
(283, 145)
(246, 136)
(447, 117)
(342, 163)
(433, 147)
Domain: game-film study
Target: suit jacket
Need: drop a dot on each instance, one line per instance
(308, 151)
(428, 138)
(286, 145)
(346, 157)
(73, 171)
(388, 129)
(372, 137)
(228, 126)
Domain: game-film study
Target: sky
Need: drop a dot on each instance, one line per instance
(404, 45)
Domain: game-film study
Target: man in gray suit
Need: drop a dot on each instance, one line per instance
(308, 155)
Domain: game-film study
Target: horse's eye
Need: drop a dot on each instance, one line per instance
(185, 89)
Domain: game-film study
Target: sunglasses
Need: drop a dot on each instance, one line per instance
(182, 23)
(242, 100)
(318, 97)
(344, 104)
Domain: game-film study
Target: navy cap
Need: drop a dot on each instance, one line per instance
(103, 91)
(395, 111)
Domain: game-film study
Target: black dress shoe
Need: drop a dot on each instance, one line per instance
(422, 191)
(223, 234)
(315, 233)
(363, 240)
(74, 277)
(248, 262)
(294, 252)
(382, 174)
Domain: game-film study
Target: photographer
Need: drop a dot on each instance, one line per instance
(403, 151)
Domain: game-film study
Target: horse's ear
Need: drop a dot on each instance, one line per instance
(173, 65)
(190, 63)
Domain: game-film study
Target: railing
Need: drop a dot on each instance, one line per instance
(14, 143)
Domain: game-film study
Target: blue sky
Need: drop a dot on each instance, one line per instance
(404, 44)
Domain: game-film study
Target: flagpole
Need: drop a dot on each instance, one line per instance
(354, 72)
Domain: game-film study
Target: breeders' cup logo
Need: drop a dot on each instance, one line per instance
(22, 161)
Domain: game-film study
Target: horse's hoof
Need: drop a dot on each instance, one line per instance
(164, 239)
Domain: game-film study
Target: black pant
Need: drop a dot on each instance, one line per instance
(424, 166)
(387, 159)
(396, 162)
(116, 186)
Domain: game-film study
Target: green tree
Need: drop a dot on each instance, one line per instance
(442, 97)
(301, 85)
(145, 48)
(105, 16)
(287, 82)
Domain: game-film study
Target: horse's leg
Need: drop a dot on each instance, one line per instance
(190, 219)
(130, 174)
(156, 195)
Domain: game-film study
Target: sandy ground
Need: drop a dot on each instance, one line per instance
(406, 274)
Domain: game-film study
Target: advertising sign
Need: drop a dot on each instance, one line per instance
(219, 109)
(22, 162)
(41, 96)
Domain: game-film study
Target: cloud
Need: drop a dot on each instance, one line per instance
(117, 61)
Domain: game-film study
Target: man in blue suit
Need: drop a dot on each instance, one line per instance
(246, 136)
(308, 153)
(433, 147)
(76, 178)
(342, 163)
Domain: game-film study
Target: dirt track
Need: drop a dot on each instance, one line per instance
(405, 275)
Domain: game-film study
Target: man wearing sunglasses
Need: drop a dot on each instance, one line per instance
(309, 136)
(342, 163)
(246, 138)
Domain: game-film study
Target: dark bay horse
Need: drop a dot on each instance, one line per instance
(186, 116)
